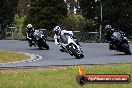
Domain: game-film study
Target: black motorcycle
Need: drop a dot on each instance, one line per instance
(39, 39)
(120, 43)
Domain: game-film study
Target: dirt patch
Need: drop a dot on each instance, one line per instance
(52, 67)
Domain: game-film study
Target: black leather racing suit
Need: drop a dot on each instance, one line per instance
(29, 35)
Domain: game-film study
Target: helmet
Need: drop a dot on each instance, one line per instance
(57, 30)
(107, 27)
(29, 26)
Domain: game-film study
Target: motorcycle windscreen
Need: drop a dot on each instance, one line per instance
(117, 36)
(37, 33)
(64, 38)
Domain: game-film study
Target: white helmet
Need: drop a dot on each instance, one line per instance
(57, 30)
(29, 26)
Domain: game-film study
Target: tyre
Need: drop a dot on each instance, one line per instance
(43, 45)
(74, 52)
(46, 46)
(81, 55)
(81, 80)
(126, 49)
(128, 53)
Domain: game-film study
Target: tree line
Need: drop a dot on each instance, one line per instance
(117, 13)
(49, 13)
(8, 10)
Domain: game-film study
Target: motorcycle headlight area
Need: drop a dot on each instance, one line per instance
(125, 38)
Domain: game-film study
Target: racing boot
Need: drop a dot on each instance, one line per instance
(111, 47)
(62, 49)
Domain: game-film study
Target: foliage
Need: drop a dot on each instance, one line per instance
(7, 12)
(78, 23)
(22, 8)
(118, 13)
(46, 13)
(88, 8)
(19, 21)
(73, 23)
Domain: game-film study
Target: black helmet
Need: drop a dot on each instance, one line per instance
(107, 27)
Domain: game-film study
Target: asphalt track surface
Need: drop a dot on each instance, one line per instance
(95, 53)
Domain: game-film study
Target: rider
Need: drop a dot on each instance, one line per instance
(29, 34)
(60, 37)
(109, 32)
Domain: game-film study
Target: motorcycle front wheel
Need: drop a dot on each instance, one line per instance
(74, 52)
(43, 45)
(126, 49)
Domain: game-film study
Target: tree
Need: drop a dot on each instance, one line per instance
(7, 12)
(23, 8)
(118, 13)
(73, 23)
(88, 8)
(46, 13)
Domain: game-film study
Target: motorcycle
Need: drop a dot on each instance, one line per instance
(120, 43)
(71, 47)
(40, 40)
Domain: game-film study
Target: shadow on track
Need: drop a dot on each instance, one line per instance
(120, 54)
(71, 58)
(36, 49)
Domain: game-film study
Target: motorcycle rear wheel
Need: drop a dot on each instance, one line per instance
(45, 45)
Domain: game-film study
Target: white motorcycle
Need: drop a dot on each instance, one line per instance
(70, 46)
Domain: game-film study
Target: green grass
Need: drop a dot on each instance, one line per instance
(9, 56)
(60, 77)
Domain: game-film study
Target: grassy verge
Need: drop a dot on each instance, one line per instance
(9, 56)
(64, 77)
